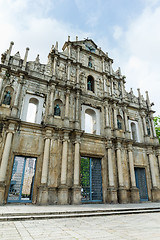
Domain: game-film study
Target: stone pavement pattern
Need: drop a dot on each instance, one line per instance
(121, 227)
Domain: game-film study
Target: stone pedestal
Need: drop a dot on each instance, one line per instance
(122, 195)
(2, 191)
(63, 195)
(52, 195)
(42, 195)
(107, 131)
(111, 195)
(76, 193)
(135, 195)
(14, 111)
(155, 194)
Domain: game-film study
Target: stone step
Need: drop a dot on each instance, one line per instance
(74, 214)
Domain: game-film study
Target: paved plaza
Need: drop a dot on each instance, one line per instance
(121, 227)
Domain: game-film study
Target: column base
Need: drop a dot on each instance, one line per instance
(63, 195)
(135, 195)
(2, 192)
(155, 194)
(112, 195)
(52, 195)
(77, 125)
(42, 195)
(76, 195)
(122, 195)
(50, 119)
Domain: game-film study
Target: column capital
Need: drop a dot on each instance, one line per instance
(130, 147)
(150, 151)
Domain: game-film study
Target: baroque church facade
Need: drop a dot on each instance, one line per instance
(70, 133)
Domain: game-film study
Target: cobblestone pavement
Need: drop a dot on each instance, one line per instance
(121, 227)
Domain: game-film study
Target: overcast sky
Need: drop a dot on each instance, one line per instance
(129, 30)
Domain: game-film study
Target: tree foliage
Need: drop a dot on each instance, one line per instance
(157, 126)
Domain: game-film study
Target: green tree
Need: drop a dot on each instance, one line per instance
(157, 126)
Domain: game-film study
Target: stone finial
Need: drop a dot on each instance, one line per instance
(9, 52)
(76, 38)
(147, 99)
(37, 59)
(56, 47)
(68, 38)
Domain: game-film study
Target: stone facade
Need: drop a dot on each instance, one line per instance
(75, 106)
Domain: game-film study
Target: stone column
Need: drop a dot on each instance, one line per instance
(134, 191)
(76, 187)
(155, 189)
(78, 54)
(144, 124)
(15, 107)
(43, 189)
(51, 104)
(2, 75)
(66, 120)
(107, 118)
(123, 82)
(115, 116)
(153, 128)
(122, 193)
(78, 70)
(69, 71)
(63, 189)
(4, 164)
(127, 132)
(5, 156)
(54, 65)
(112, 193)
(77, 111)
(44, 176)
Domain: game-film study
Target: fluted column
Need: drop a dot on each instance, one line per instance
(54, 65)
(67, 104)
(5, 156)
(134, 190)
(76, 180)
(155, 185)
(144, 124)
(78, 54)
(110, 168)
(43, 188)
(119, 166)
(20, 83)
(126, 120)
(153, 176)
(77, 111)
(122, 193)
(69, 70)
(78, 71)
(76, 164)
(107, 116)
(131, 168)
(63, 189)
(51, 104)
(45, 161)
(153, 127)
(115, 116)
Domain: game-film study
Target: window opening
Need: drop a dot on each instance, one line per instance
(134, 131)
(32, 110)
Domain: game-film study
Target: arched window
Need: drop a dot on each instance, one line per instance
(90, 121)
(32, 110)
(134, 131)
(90, 83)
(119, 122)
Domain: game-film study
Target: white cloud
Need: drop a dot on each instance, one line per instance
(117, 32)
(138, 54)
(26, 23)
